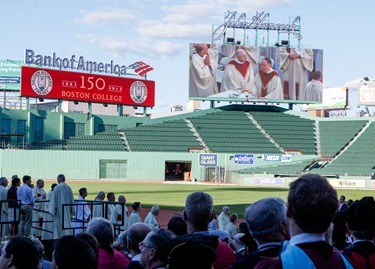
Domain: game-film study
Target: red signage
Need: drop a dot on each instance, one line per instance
(84, 87)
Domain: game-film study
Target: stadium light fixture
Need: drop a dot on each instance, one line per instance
(76, 102)
(41, 100)
(105, 105)
(366, 79)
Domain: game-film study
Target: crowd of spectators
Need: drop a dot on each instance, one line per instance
(312, 229)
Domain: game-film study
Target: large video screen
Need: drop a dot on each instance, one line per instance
(269, 73)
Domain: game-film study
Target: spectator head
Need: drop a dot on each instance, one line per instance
(198, 211)
(19, 253)
(136, 206)
(312, 203)
(16, 181)
(123, 242)
(26, 180)
(101, 195)
(135, 235)
(60, 178)
(360, 218)
(155, 210)
(266, 220)
(72, 252)
(233, 217)
(111, 197)
(226, 210)
(238, 244)
(82, 192)
(155, 248)
(342, 199)
(103, 230)
(3, 181)
(40, 183)
(53, 186)
(121, 199)
(91, 240)
(177, 225)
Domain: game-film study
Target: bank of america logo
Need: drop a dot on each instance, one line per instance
(141, 68)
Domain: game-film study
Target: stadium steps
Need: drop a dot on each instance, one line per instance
(358, 158)
(229, 131)
(264, 132)
(291, 132)
(334, 135)
(200, 139)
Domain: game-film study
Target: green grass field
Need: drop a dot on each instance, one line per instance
(173, 196)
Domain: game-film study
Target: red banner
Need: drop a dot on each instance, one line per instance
(84, 87)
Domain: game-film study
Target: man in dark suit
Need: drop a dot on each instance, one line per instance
(267, 223)
(342, 206)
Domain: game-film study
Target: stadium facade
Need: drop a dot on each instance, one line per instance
(240, 144)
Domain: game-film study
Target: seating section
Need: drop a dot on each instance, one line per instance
(232, 132)
(289, 131)
(104, 141)
(334, 135)
(169, 136)
(357, 160)
(294, 168)
(54, 144)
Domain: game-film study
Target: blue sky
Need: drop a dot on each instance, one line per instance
(159, 33)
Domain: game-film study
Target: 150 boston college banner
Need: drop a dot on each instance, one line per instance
(84, 87)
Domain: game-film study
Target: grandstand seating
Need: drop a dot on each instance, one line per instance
(358, 159)
(169, 136)
(229, 131)
(289, 131)
(334, 135)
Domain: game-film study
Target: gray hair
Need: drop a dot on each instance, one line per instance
(155, 208)
(198, 209)
(237, 241)
(264, 216)
(103, 230)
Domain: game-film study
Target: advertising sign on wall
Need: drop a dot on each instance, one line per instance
(208, 159)
(85, 87)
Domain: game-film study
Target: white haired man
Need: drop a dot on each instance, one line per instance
(150, 219)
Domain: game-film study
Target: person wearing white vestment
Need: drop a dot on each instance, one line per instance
(294, 63)
(119, 216)
(252, 54)
(230, 228)
(238, 74)
(223, 218)
(38, 214)
(62, 195)
(83, 212)
(97, 206)
(110, 206)
(150, 219)
(202, 80)
(314, 89)
(47, 229)
(134, 216)
(267, 83)
(4, 206)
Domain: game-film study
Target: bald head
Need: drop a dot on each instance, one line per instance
(201, 49)
(136, 233)
(241, 55)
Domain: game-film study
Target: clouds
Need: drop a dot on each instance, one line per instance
(162, 30)
(107, 16)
